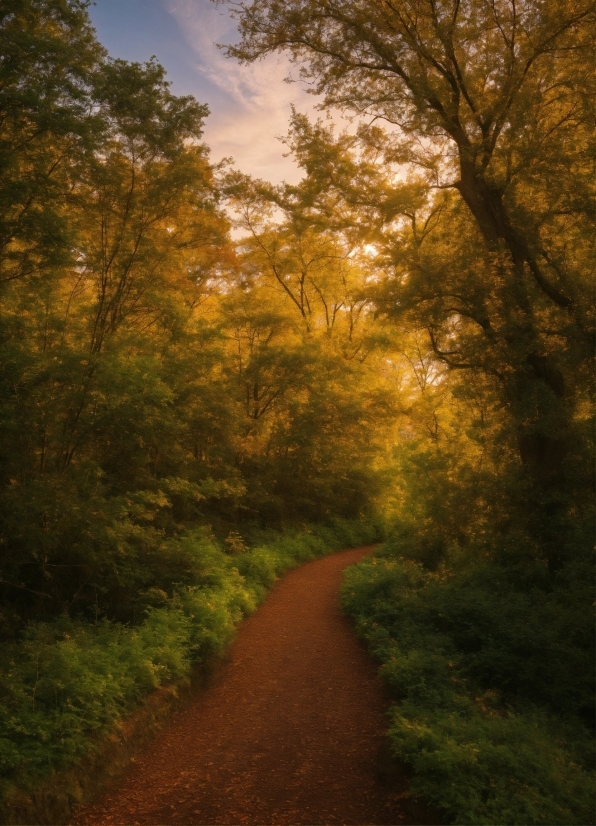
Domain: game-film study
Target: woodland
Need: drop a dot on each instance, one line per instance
(207, 378)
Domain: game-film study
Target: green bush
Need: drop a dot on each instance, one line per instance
(64, 682)
(488, 718)
(481, 765)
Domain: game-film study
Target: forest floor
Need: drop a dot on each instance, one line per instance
(290, 730)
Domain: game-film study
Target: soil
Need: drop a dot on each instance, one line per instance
(290, 729)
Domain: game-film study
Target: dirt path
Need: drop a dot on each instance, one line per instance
(287, 733)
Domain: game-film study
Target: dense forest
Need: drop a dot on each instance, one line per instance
(207, 378)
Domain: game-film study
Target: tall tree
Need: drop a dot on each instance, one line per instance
(490, 100)
(47, 126)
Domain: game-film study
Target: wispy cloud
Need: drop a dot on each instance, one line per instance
(250, 105)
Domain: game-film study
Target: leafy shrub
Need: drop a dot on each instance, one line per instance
(483, 766)
(65, 681)
(490, 681)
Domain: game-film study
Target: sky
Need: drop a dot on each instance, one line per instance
(250, 105)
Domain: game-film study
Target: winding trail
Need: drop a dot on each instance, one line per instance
(288, 731)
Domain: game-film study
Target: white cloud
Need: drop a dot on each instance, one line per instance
(250, 105)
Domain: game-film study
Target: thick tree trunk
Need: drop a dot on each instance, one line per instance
(537, 393)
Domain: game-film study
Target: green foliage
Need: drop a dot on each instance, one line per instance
(65, 683)
(150, 382)
(66, 680)
(49, 57)
(370, 345)
(483, 767)
(490, 679)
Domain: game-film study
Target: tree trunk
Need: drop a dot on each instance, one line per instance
(537, 394)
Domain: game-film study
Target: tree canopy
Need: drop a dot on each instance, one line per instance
(488, 101)
(404, 336)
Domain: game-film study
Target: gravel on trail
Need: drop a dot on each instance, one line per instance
(287, 732)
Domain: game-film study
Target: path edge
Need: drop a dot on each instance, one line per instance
(55, 799)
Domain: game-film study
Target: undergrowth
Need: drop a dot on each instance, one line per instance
(493, 688)
(65, 683)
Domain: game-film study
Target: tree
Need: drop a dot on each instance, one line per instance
(111, 234)
(487, 99)
(306, 346)
(47, 127)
